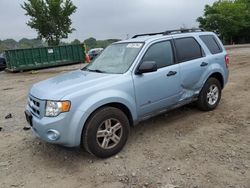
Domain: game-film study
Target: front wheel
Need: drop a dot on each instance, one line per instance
(106, 132)
(210, 95)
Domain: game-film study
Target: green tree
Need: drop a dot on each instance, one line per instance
(50, 18)
(10, 44)
(93, 43)
(90, 43)
(76, 41)
(228, 18)
(30, 43)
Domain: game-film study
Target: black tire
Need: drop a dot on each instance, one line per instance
(203, 103)
(98, 120)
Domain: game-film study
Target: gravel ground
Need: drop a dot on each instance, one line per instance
(183, 148)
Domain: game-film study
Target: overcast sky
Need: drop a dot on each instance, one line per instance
(105, 19)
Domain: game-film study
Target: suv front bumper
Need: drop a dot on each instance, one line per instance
(60, 130)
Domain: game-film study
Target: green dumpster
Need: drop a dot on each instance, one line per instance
(36, 58)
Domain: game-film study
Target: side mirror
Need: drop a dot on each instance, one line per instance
(147, 66)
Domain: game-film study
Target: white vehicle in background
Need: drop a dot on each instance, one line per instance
(94, 52)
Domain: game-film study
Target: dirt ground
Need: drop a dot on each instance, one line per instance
(184, 148)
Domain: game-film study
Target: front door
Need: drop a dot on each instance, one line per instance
(158, 90)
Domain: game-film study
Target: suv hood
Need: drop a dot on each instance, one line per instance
(57, 87)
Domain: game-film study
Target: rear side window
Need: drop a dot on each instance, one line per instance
(187, 49)
(212, 43)
(161, 53)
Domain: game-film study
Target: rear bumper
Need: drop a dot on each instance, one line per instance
(226, 77)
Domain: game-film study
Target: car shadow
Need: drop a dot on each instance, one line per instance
(75, 158)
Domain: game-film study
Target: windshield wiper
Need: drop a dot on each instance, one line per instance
(93, 70)
(96, 70)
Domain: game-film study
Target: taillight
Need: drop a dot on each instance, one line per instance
(227, 60)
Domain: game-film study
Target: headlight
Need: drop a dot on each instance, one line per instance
(54, 108)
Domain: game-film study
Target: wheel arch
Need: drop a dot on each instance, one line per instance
(219, 77)
(117, 105)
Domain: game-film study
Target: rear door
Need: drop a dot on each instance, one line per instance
(158, 90)
(217, 54)
(193, 64)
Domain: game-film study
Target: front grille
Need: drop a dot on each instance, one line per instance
(34, 104)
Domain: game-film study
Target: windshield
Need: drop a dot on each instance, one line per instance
(115, 59)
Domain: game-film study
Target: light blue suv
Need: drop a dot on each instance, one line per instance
(131, 81)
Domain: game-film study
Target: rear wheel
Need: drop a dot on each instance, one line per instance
(210, 95)
(106, 132)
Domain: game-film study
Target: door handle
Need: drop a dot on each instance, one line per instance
(171, 73)
(203, 64)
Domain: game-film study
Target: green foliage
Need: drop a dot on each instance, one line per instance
(90, 42)
(50, 18)
(93, 43)
(229, 18)
(76, 41)
(30, 43)
(10, 44)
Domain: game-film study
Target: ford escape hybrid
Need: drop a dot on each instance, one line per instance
(129, 82)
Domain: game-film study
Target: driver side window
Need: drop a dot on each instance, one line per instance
(161, 53)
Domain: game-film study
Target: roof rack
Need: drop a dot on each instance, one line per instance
(169, 32)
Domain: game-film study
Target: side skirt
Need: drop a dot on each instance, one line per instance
(162, 111)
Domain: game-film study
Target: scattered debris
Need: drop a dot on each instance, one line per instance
(133, 174)
(8, 116)
(8, 88)
(124, 179)
(3, 164)
(182, 173)
(242, 172)
(146, 184)
(233, 154)
(171, 186)
(26, 128)
(90, 161)
(34, 72)
(117, 156)
(15, 185)
(193, 146)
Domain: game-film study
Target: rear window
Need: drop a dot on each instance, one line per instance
(187, 49)
(211, 43)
